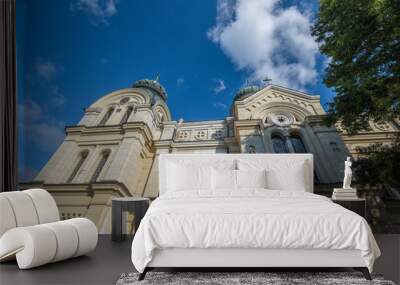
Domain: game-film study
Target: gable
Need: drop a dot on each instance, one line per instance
(277, 99)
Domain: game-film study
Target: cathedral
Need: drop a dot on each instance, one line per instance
(113, 151)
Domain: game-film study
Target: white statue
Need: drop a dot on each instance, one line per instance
(347, 174)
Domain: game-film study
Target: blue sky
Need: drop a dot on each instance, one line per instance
(72, 52)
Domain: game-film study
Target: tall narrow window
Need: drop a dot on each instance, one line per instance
(279, 144)
(82, 158)
(100, 166)
(127, 115)
(106, 117)
(297, 144)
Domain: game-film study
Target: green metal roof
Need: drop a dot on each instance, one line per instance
(248, 90)
(153, 85)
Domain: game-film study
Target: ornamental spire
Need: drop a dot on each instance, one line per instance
(267, 81)
(158, 77)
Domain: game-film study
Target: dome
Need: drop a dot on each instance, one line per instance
(153, 85)
(246, 92)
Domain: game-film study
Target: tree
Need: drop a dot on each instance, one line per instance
(362, 40)
(378, 167)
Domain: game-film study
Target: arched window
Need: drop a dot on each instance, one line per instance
(106, 117)
(127, 115)
(82, 157)
(104, 156)
(297, 144)
(299, 147)
(279, 144)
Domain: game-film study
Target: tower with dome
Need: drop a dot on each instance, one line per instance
(113, 151)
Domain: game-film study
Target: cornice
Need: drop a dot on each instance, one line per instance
(162, 143)
(92, 130)
(368, 136)
(314, 119)
(198, 144)
(247, 123)
(201, 123)
(110, 129)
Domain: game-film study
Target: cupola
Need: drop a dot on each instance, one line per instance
(246, 92)
(152, 85)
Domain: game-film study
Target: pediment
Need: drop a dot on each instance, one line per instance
(279, 98)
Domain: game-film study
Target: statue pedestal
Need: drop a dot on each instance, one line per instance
(344, 194)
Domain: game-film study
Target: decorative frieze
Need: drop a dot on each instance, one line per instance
(183, 135)
(382, 126)
(200, 134)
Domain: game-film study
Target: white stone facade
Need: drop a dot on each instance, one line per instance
(113, 151)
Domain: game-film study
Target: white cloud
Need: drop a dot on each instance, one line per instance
(39, 128)
(326, 61)
(57, 98)
(180, 81)
(99, 10)
(30, 111)
(220, 105)
(220, 86)
(45, 69)
(267, 40)
(46, 72)
(46, 135)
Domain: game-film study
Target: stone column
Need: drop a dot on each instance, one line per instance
(288, 142)
(267, 132)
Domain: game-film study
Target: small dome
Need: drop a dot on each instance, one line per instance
(246, 92)
(153, 85)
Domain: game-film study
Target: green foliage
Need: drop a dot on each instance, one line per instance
(379, 165)
(362, 39)
(378, 168)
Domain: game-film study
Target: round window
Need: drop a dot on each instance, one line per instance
(124, 100)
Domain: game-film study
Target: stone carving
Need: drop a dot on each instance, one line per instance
(218, 135)
(281, 118)
(347, 174)
(382, 126)
(200, 135)
(183, 135)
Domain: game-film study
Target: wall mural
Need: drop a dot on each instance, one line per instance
(101, 98)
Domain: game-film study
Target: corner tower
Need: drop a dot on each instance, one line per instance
(109, 153)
